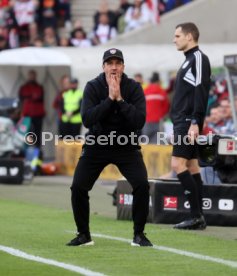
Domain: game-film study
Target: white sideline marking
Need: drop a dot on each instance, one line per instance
(232, 264)
(21, 254)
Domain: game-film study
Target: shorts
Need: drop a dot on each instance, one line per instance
(181, 146)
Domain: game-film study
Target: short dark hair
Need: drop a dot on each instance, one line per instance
(138, 75)
(155, 77)
(191, 28)
(74, 81)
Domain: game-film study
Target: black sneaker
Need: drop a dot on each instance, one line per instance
(141, 240)
(81, 239)
(192, 224)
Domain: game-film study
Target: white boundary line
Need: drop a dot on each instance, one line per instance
(86, 272)
(21, 254)
(229, 263)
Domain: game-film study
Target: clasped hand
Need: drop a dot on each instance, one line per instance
(113, 81)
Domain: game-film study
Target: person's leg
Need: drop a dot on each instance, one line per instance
(192, 193)
(183, 164)
(179, 165)
(198, 180)
(37, 124)
(61, 129)
(87, 171)
(65, 129)
(75, 129)
(209, 176)
(132, 167)
(151, 130)
(194, 169)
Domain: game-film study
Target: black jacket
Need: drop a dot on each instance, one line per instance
(191, 88)
(101, 115)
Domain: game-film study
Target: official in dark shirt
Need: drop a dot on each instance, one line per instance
(114, 110)
(188, 113)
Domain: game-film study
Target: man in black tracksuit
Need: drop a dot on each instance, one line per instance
(188, 113)
(113, 109)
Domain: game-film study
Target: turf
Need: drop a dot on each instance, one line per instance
(44, 231)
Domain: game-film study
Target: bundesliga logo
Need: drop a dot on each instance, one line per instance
(170, 203)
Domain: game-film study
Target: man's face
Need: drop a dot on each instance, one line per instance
(181, 40)
(74, 85)
(225, 109)
(215, 115)
(113, 66)
(32, 76)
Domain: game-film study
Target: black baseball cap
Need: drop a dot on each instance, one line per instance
(113, 53)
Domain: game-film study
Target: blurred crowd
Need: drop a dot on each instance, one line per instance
(48, 23)
(219, 117)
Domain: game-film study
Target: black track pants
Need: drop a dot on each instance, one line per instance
(91, 163)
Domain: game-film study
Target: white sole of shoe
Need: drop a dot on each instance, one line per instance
(135, 244)
(88, 243)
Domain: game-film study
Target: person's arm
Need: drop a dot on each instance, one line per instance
(135, 111)
(20, 94)
(94, 110)
(202, 82)
(201, 92)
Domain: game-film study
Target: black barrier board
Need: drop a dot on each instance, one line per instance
(125, 198)
(11, 171)
(169, 205)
